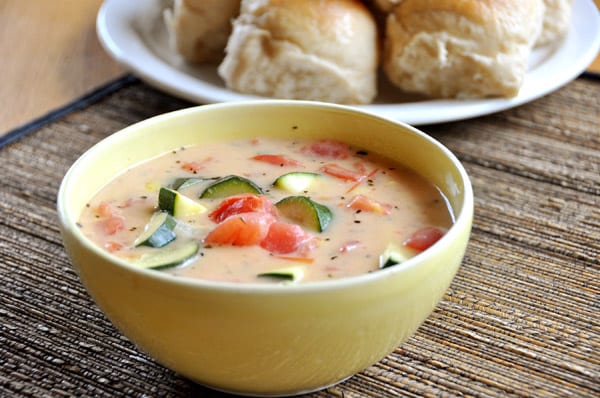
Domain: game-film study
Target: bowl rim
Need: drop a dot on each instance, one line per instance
(462, 221)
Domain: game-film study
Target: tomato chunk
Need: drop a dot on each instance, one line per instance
(276, 160)
(113, 246)
(111, 220)
(106, 210)
(245, 229)
(342, 173)
(285, 238)
(329, 149)
(243, 203)
(424, 238)
(363, 203)
(195, 167)
(113, 224)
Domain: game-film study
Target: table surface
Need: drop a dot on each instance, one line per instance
(51, 55)
(520, 318)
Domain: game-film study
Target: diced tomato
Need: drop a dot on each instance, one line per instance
(424, 238)
(276, 160)
(285, 238)
(243, 203)
(363, 170)
(363, 203)
(111, 220)
(106, 210)
(195, 167)
(113, 246)
(360, 167)
(245, 229)
(350, 245)
(113, 224)
(306, 260)
(342, 173)
(329, 149)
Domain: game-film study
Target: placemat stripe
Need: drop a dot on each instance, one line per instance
(78, 104)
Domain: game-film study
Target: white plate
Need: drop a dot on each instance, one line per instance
(134, 34)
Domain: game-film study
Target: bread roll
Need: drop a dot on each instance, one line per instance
(386, 5)
(303, 49)
(461, 48)
(199, 29)
(557, 20)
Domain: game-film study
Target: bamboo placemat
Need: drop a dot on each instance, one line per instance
(520, 319)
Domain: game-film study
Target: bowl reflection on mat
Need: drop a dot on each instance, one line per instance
(266, 339)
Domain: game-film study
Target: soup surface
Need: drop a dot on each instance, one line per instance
(267, 211)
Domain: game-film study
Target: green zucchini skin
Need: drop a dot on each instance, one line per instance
(296, 181)
(306, 212)
(229, 186)
(185, 182)
(394, 255)
(159, 231)
(169, 256)
(292, 274)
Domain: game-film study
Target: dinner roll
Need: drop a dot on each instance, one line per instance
(198, 29)
(303, 49)
(461, 48)
(386, 5)
(557, 20)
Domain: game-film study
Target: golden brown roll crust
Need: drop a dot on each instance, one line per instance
(199, 29)
(461, 48)
(303, 49)
(386, 5)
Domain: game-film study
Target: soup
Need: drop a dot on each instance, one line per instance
(267, 211)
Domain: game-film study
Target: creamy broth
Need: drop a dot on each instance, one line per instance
(399, 203)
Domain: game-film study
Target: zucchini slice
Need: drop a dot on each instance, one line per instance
(292, 274)
(182, 183)
(394, 254)
(169, 256)
(177, 204)
(306, 212)
(158, 232)
(296, 181)
(229, 186)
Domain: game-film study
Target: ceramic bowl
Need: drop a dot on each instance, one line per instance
(266, 339)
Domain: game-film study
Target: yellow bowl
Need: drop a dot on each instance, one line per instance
(266, 339)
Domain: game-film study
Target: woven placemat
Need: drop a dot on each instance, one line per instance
(520, 319)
